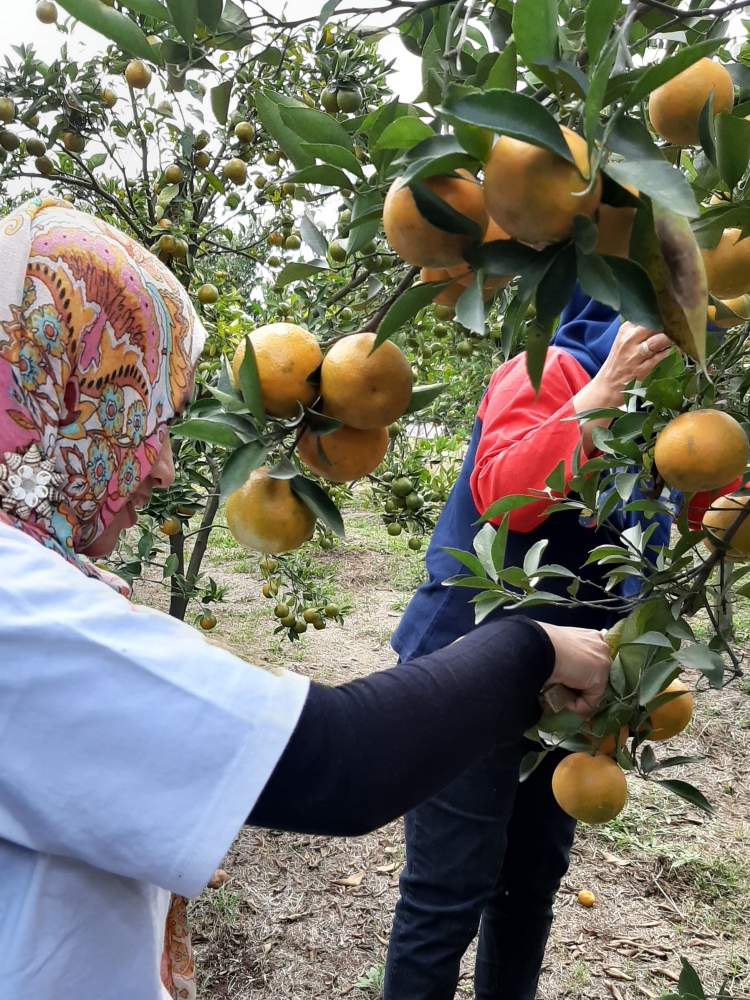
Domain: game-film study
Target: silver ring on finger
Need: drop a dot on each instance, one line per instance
(645, 349)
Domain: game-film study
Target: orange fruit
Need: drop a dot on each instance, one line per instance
(416, 240)
(265, 515)
(137, 74)
(740, 306)
(351, 452)
(728, 265)
(590, 787)
(365, 390)
(615, 226)
(285, 355)
(535, 194)
(608, 744)
(674, 108)
(701, 450)
(720, 516)
(671, 718)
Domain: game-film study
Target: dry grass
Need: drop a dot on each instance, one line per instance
(668, 880)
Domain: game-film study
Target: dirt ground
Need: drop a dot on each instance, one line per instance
(304, 917)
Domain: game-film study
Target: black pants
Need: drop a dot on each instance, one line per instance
(487, 848)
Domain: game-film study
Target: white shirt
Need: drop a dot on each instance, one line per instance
(131, 752)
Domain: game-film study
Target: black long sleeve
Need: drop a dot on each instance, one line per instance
(368, 751)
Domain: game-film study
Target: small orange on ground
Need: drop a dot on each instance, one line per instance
(586, 898)
(416, 240)
(266, 516)
(365, 390)
(137, 74)
(671, 718)
(674, 108)
(170, 526)
(701, 450)
(615, 226)
(590, 787)
(352, 453)
(728, 265)
(534, 194)
(207, 622)
(719, 518)
(740, 306)
(285, 355)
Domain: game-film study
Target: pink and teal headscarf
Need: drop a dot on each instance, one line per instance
(91, 324)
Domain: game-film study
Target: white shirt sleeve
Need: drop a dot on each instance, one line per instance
(126, 740)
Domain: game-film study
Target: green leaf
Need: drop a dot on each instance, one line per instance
(440, 214)
(220, 96)
(364, 203)
(501, 258)
(660, 181)
(537, 342)
(312, 125)
(312, 235)
(503, 73)
(535, 33)
(297, 271)
(597, 280)
(661, 72)
(700, 657)
(405, 307)
(267, 104)
(337, 156)
(239, 465)
(638, 301)
(600, 17)
(689, 984)
(403, 133)
(112, 24)
(596, 92)
(530, 763)
(506, 504)
(511, 114)
(210, 431)
(470, 306)
(732, 148)
(249, 383)
(686, 791)
(423, 395)
(184, 17)
(209, 12)
(319, 503)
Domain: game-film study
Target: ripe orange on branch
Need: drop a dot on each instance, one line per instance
(351, 453)
(669, 719)
(728, 265)
(285, 355)
(266, 516)
(701, 450)
(674, 108)
(415, 239)
(535, 194)
(720, 516)
(365, 390)
(590, 787)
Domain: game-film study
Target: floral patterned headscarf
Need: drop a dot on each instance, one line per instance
(91, 325)
(96, 331)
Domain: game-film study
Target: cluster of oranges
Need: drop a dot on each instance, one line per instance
(364, 389)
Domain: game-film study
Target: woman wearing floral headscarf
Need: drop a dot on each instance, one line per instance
(131, 752)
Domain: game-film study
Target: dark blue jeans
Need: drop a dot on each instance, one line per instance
(486, 848)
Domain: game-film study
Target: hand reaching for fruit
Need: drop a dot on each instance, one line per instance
(582, 663)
